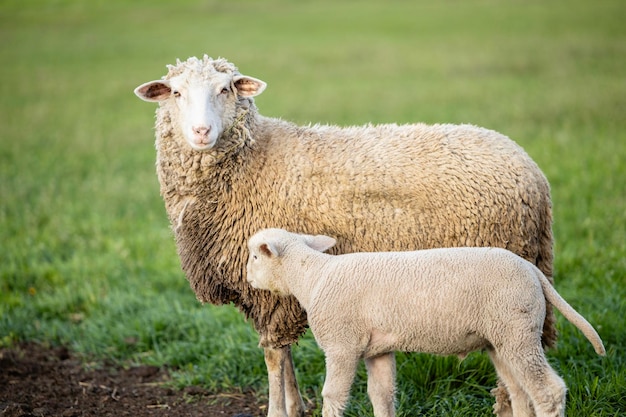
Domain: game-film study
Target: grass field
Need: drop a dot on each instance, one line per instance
(86, 254)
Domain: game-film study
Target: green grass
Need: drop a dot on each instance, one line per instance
(86, 254)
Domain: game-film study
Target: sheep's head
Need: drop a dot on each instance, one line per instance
(267, 248)
(205, 94)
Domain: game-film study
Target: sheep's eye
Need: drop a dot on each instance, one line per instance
(254, 257)
(176, 93)
(225, 90)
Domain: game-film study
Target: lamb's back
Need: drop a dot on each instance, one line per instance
(446, 301)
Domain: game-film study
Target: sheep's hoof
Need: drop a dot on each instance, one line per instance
(502, 406)
(500, 411)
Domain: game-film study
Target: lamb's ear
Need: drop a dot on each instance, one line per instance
(320, 242)
(268, 249)
(154, 91)
(248, 86)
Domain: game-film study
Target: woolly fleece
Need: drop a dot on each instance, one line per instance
(375, 188)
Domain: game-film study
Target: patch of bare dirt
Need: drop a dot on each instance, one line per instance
(39, 381)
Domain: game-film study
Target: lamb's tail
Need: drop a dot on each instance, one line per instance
(572, 315)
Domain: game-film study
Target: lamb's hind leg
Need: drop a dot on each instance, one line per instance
(284, 395)
(544, 388)
(519, 403)
(381, 376)
(548, 393)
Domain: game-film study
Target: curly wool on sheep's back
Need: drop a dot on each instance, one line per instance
(376, 188)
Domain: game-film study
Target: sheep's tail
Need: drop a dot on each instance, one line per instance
(572, 315)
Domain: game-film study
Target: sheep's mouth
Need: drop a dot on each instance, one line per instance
(202, 145)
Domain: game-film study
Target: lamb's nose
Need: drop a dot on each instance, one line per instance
(202, 130)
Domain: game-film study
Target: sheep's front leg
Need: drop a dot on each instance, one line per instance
(381, 382)
(284, 395)
(293, 400)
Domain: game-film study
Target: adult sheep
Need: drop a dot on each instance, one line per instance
(225, 171)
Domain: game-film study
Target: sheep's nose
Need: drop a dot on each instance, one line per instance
(202, 130)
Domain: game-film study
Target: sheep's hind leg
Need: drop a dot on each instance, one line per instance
(284, 396)
(502, 406)
(381, 376)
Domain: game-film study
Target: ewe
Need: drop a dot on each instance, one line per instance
(446, 301)
(226, 171)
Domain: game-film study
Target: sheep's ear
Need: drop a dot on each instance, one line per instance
(268, 250)
(320, 242)
(248, 86)
(154, 91)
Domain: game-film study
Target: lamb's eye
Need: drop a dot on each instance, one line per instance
(176, 93)
(225, 90)
(254, 257)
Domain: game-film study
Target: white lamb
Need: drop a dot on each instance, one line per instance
(368, 305)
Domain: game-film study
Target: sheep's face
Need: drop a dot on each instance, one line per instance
(204, 94)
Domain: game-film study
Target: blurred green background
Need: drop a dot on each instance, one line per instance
(86, 255)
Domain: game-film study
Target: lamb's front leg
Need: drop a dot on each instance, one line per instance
(381, 382)
(284, 395)
(340, 370)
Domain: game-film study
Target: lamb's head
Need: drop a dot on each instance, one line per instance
(268, 248)
(204, 94)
